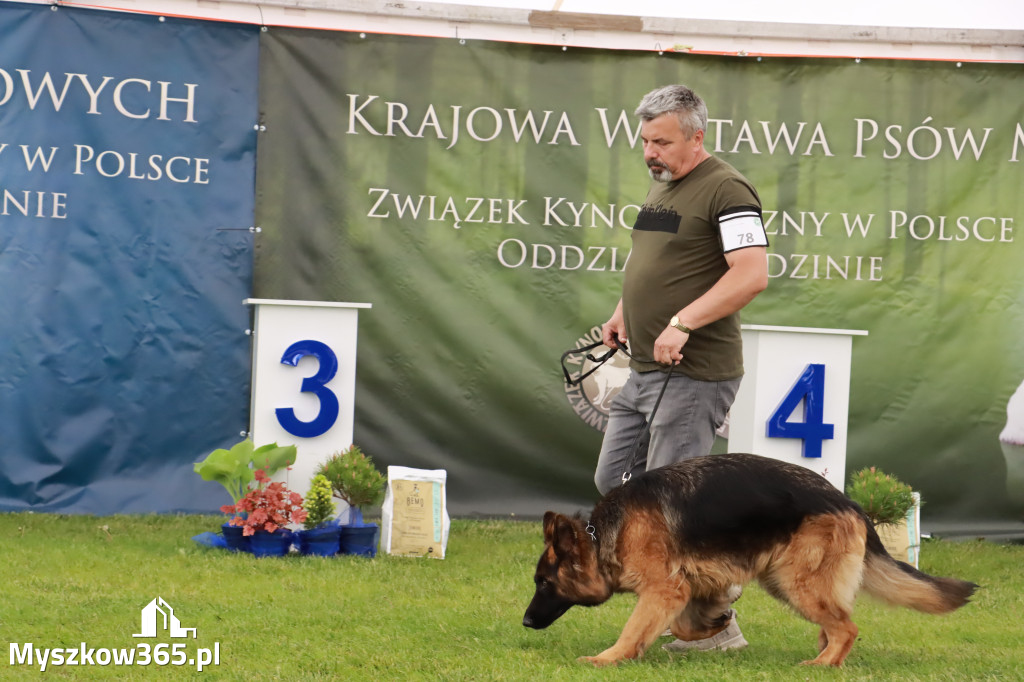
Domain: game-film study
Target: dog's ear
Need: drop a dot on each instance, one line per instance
(560, 533)
(564, 537)
(549, 526)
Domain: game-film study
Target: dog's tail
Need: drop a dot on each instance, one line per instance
(900, 584)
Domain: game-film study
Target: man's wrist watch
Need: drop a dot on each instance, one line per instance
(679, 325)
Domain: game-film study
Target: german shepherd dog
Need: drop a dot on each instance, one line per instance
(686, 537)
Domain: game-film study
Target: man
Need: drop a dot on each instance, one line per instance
(699, 255)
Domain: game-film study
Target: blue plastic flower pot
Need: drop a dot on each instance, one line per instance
(234, 539)
(271, 544)
(361, 540)
(320, 541)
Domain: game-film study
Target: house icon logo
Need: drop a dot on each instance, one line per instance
(158, 614)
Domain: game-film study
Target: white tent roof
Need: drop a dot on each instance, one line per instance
(952, 30)
(995, 14)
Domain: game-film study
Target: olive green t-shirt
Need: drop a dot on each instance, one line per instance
(677, 256)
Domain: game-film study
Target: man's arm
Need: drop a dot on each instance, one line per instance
(746, 277)
(614, 327)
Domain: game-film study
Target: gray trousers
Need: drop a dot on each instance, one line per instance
(683, 427)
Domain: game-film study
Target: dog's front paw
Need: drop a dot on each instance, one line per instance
(599, 661)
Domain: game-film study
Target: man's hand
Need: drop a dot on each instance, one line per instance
(668, 347)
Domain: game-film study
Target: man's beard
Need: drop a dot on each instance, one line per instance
(659, 172)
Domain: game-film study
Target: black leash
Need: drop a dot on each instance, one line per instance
(598, 361)
(634, 449)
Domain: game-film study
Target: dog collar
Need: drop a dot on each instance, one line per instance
(590, 530)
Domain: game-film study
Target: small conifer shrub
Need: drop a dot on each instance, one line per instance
(884, 498)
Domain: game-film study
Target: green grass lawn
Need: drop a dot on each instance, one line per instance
(69, 580)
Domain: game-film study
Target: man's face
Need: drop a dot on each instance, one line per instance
(668, 153)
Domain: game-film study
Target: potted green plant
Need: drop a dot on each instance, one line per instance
(355, 479)
(235, 469)
(263, 513)
(887, 501)
(321, 536)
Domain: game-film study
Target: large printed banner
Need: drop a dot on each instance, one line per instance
(480, 196)
(127, 151)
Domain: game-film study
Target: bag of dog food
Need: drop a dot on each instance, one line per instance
(414, 518)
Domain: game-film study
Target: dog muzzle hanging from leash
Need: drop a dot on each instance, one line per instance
(598, 362)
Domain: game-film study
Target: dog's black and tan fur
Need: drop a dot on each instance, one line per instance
(686, 537)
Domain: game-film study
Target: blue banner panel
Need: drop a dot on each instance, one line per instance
(127, 165)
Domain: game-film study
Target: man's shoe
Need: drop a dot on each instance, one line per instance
(729, 638)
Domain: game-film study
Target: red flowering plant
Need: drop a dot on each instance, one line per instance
(268, 506)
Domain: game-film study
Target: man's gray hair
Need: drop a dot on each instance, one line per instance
(680, 100)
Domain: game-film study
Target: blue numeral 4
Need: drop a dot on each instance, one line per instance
(809, 389)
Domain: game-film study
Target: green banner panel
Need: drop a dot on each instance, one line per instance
(481, 196)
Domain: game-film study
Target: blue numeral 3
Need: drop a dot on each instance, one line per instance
(317, 385)
(809, 388)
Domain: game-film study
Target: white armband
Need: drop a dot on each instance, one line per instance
(740, 228)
